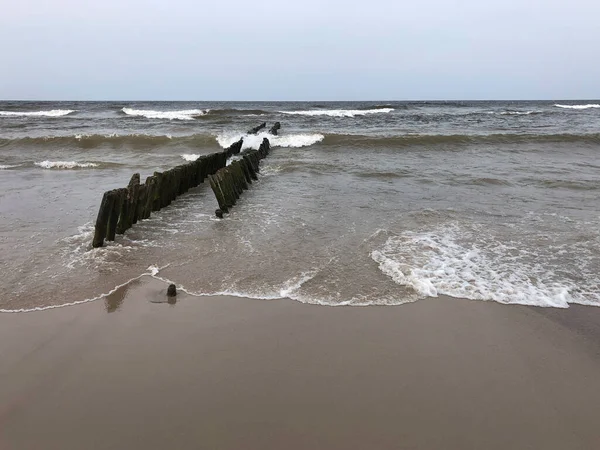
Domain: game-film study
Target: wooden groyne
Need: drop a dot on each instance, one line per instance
(121, 208)
(229, 182)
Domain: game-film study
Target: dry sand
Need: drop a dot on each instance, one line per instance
(230, 373)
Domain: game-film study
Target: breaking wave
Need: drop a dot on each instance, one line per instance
(456, 139)
(587, 106)
(185, 114)
(142, 141)
(339, 112)
(51, 113)
(145, 142)
(519, 113)
(254, 141)
(190, 156)
(65, 165)
(470, 263)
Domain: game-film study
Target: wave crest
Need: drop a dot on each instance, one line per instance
(51, 113)
(587, 106)
(65, 165)
(184, 114)
(254, 141)
(339, 112)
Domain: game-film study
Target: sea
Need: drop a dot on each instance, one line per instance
(359, 203)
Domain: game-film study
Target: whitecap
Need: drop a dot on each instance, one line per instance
(253, 141)
(51, 113)
(7, 166)
(65, 165)
(587, 106)
(190, 156)
(339, 112)
(518, 113)
(185, 114)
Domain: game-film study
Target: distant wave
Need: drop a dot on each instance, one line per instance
(65, 165)
(254, 141)
(235, 111)
(456, 139)
(588, 106)
(51, 113)
(184, 114)
(7, 166)
(141, 141)
(339, 112)
(294, 140)
(519, 113)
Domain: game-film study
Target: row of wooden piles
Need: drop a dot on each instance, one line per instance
(230, 181)
(121, 208)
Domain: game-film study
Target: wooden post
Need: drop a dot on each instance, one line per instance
(257, 129)
(276, 126)
(134, 192)
(216, 188)
(102, 219)
(120, 195)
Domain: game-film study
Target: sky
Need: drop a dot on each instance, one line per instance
(299, 50)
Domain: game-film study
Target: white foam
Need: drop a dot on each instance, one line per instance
(7, 166)
(185, 114)
(65, 165)
(51, 113)
(254, 140)
(587, 106)
(518, 113)
(339, 112)
(452, 261)
(190, 156)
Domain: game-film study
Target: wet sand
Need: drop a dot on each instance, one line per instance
(231, 373)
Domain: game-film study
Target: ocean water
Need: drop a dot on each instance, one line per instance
(359, 203)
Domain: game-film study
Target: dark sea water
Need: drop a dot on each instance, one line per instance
(359, 203)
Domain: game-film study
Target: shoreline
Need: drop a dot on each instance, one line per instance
(231, 373)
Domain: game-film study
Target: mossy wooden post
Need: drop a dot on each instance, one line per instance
(276, 126)
(234, 148)
(150, 194)
(240, 176)
(141, 203)
(250, 167)
(225, 183)
(134, 192)
(203, 170)
(179, 181)
(120, 195)
(234, 181)
(157, 199)
(129, 206)
(216, 188)
(102, 219)
(165, 189)
(246, 170)
(168, 188)
(257, 129)
(185, 179)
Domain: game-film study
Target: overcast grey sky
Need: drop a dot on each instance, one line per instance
(299, 50)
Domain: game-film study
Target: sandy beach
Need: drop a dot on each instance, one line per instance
(235, 373)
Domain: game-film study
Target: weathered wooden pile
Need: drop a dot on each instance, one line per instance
(122, 208)
(229, 182)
